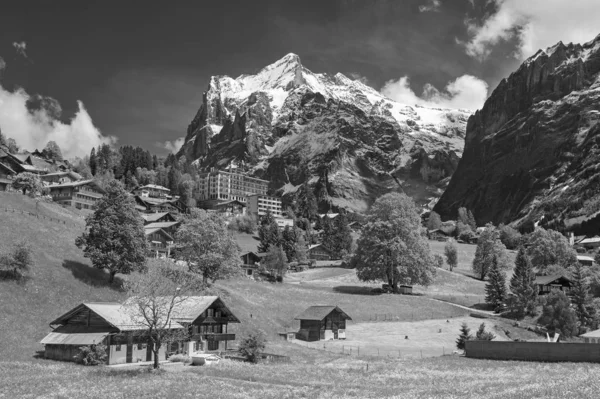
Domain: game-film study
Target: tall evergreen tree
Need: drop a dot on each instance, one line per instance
(307, 203)
(93, 162)
(465, 335)
(580, 297)
(3, 141)
(495, 289)
(341, 236)
(301, 250)
(268, 233)
(289, 239)
(522, 286)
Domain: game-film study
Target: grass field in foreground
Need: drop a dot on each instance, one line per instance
(318, 376)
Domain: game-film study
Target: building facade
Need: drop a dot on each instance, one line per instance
(322, 323)
(81, 195)
(258, 205)
(228, 186)
(152, 190)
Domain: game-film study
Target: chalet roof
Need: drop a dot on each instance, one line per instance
(73, 184)
(155, 187)
(247, 242)
(543, 280)
(148, 231)
(74, 175)
(192, 307)
(220, 204)
(122, 317)
(320, 312)
(329, 215)
(7, 168)
(591, 240)
(591, 334)
(161, 225)
(22, 158)
(74, 335)
(310, 247)
(153, 217)
(585, 258)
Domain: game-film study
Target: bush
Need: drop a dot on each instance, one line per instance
(243, 224)
(483, 335)
(439, 261)
(17, 263)
(92, 355)
(180, 358)
(252, 346)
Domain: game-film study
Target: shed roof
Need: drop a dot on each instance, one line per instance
(320, 312)
(153, 217)
(591, 334)
(148, 231)
(161, 225)
(7, 168)
(74, 335)
(586, 258)
(591, 240)
(192, 307)
(543, 280)
(155, 187)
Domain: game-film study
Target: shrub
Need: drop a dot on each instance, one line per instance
(180, 358)
(439, 260)
(92, 355)
(483, 335)
(252, 346)
(17, 263)
(243, 224)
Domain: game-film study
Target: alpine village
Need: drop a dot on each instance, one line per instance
(312, 237)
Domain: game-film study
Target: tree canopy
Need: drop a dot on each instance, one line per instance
(204, 243)
(52, 151)
(114, 238)
(29, 184)
(488, 247)
(522, 286)
(549, 247)
(392, 247)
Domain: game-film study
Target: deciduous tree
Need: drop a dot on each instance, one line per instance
(275, 261)
(451, 254)
(114, 238)
(52, 151)
(268, 232)
(29, 184)
(434, 221)
(580, 296)
(549, 247)
(489, 246)
(558, 316)
(392, 247)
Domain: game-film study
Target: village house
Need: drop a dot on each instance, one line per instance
(322, 323)
(319, 252)
(152, 190)
(160, 242)
(169, 227)
(585, 260)
(204, 320)
(251, 262)
(106, 323)
(282, 223)
(155, 205)
(80, 194)
(591, 337)
(555, 282)
(158, 217)
(231, 208)
(438, 235)
(7, 175)
(591, 243)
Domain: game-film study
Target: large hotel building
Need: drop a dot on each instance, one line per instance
(228, 186)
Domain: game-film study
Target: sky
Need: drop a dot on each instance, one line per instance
(133, 73)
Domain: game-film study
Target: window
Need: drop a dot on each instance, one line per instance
(118, 348)
(210, 312)
(140, 346)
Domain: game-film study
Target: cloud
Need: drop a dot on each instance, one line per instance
(466, 92)
(33, 121)
(362, 79)
(534, 24)
(21, 48)
(172, 146)
(431, 5)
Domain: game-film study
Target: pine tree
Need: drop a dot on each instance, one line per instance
(465, 335)
(522, 286)
(342, 236)
(495, 289)
(471, 220)
(451, 254)
(93, 162)
(580, 297)
(301, 250)
(268, 233)
(289, 239)
(483, 335)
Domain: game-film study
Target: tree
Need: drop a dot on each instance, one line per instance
(29, 184)
(522, 286)
(275, 261)
(252, 346)
(557, 315)
(510, 237)
(18, 262)
(580, 296)
(268, 232)
(289, 239)
(465, 335)
(301, 250)
(206, 246)
(12, 145)
(114, 238)
(438, 260)
(463, 232)
(52, 151)
(483, 335)
(434, 222)
(343, 241)
(392, 247)
(488, 246)
(451, 254)
(307, 203)
(3, 141)
(549, 247)
(495, 289)
(466, 217)
(153, 298)
(82, 167)
(93, 162)
(471, 220)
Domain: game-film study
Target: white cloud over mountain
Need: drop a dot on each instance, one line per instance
(466, 92)
(536, 24)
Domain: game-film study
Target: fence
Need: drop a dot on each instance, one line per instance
(339, 347)
(39, 216)
(414, 316)
(533, 351)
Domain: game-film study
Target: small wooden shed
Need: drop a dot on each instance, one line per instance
(322, 323)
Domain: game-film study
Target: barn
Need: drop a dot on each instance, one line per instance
(322, 323)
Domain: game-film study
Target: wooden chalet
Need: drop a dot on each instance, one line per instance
(591, 337)
(555, 282)
(322, 323)
(158, 217)
(79, 194)
(319, 252)
(251, 261)
(160, 242)
(7, 175)
(105, 323)
(585, 260)
(169, 227)
(438, 235)
(60, 177)
(207, 320)
(156, 205)
(230, 208)
(590, 243)
(152, 190)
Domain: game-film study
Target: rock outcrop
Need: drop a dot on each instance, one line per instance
(531, 153)
(344, 139)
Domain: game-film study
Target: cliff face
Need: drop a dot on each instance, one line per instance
(343, 138)
(532, 152)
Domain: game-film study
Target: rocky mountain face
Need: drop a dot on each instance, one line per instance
(341, 137)
(532, 153)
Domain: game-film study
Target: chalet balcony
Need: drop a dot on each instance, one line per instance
(213, 337)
